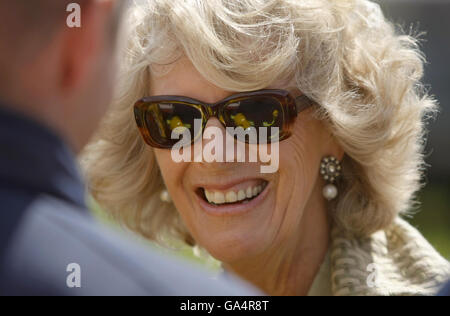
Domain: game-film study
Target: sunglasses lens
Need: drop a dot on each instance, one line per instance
(255, 113)
(167, 123)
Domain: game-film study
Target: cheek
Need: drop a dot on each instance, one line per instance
(294, 178)
(302, 152)
(296, 164)
(299, 163)
(176, 181)
(171, 171)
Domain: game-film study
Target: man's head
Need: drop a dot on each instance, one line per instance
(58, 75)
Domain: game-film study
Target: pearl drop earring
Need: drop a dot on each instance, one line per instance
(165, 196)
(330, 169)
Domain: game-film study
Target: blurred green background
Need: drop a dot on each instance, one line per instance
(433, 216)
(431, 19)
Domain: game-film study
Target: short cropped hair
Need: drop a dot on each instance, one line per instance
(23, 20)
(362, 71)
(26, 26)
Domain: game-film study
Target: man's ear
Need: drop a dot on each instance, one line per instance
(82, 46)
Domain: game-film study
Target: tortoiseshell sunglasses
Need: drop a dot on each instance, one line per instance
(158, 116)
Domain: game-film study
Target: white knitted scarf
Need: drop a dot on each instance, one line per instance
(397, 261)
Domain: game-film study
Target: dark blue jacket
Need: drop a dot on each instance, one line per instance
(45, 227)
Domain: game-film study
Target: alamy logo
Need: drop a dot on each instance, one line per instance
(372, 278)
(74, 18)
(74, 278)
(231, 148)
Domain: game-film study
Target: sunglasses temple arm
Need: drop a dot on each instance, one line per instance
(302, 103)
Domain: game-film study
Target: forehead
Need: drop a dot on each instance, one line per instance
(182, 79)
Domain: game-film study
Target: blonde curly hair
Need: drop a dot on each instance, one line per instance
(343, 54)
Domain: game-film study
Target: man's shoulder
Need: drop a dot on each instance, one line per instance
(445, 291)
(60, 249)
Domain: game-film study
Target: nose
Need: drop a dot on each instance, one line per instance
(214, 122)
(218, 147)
(214, 142)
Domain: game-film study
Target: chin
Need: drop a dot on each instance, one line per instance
(232, 214)
(232, 232)
(234, 246)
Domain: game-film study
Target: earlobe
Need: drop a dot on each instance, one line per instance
(333, 148)
(339, 151)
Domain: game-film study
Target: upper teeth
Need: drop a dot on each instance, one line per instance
(218, 197)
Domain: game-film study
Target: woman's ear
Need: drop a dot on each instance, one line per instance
(332, 147)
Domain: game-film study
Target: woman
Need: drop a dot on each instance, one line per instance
(343, 89)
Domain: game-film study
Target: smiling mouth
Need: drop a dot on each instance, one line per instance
(241, 194)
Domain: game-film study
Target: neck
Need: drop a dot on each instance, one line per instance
(52, 163)
(290, 267)
(43, 113)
